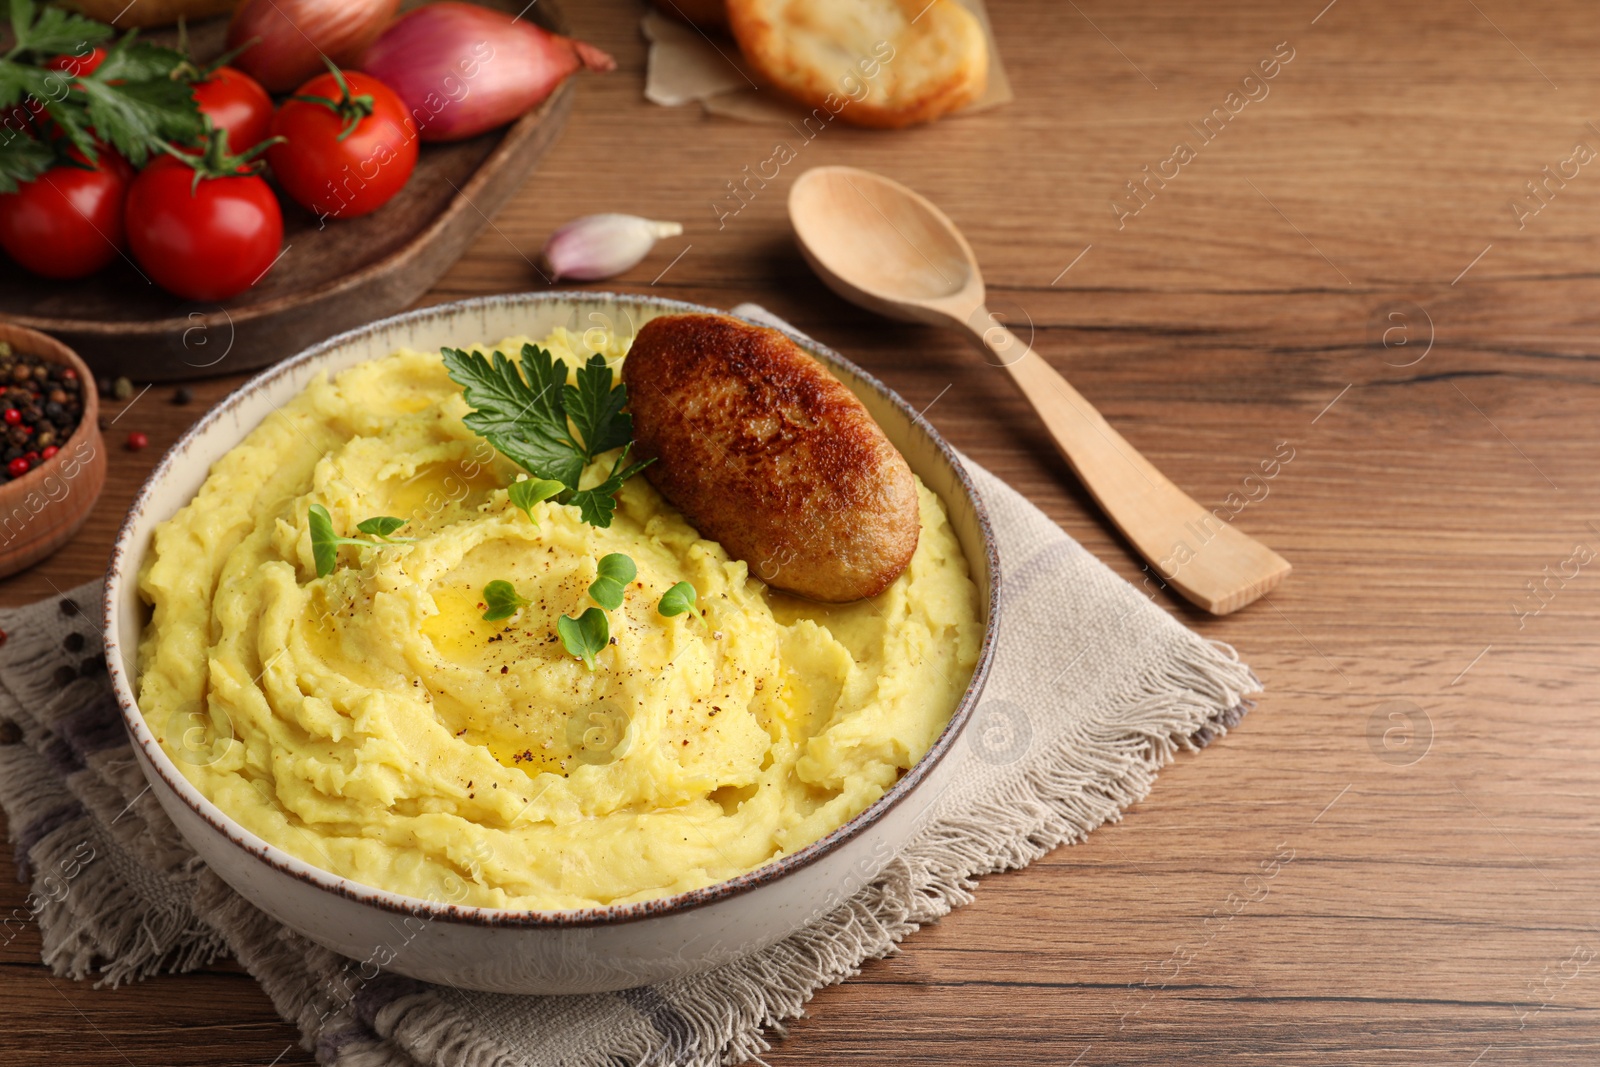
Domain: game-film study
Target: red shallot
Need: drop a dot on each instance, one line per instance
(292, 36)
(463, 69)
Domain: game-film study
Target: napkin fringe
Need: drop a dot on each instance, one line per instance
(118, 917)
(427, 1029)
(87, 904)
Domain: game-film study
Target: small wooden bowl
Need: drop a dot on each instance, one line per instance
(40, 511)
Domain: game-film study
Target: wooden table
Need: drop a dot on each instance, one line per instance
(1423, 749)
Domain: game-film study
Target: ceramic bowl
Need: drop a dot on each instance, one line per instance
(40, 511)
(519, 951)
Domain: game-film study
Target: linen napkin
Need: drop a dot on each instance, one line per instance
(1093, 689)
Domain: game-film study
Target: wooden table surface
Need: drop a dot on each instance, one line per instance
(1421, 758)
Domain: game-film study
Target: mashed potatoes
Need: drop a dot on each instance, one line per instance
(372, 724)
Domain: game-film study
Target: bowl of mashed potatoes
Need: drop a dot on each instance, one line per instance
(359, 734)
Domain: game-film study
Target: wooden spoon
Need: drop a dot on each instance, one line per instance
(882, 246)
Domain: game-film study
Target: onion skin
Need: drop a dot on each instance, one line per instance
(290, 34)
(463, 69)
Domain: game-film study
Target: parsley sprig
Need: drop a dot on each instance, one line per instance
(132, 101)
(551, 428)
(325, 542)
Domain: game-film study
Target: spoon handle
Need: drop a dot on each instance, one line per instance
(1202, 555)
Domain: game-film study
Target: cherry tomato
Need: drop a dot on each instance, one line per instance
(67, 222)
(236, 102)
(87, 63)
(206, 242)
(54, 88)
(349, 156)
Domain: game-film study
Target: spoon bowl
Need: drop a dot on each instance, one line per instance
(877, 243)
(890, 250)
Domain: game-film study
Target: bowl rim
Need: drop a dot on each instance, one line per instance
(88, 427)
(121, 571)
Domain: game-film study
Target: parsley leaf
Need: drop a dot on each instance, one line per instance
(501, 598)
(616, 571)
(325, 543)
(521, 418)
(22, 159)
(503, 401)
(599, 502)
(586, 635)
(51, 30)
(526, 494)
(677, 600)
(135, 116)
(131, 59)
(596, 409)
(18, 82)
(132, 101)
(527, 419)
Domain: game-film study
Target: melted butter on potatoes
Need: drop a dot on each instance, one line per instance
(372, 724)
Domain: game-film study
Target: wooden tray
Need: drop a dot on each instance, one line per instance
(328, 280)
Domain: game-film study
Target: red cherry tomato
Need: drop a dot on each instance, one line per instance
(54, 88)
(67, 222)
(342, 162)
(236, 102)
(86, 63)
(206, 242)
(111, 160)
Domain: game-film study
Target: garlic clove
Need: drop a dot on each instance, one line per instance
(602, 246)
